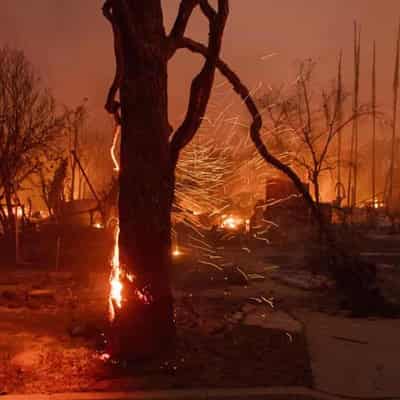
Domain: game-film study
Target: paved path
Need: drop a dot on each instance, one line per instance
(354, 357)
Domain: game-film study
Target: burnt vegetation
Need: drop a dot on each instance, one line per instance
(190, 247)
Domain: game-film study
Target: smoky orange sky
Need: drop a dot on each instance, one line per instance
(71, 44)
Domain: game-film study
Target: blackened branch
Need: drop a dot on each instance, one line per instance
(207, 9)
(255, 129)
(200, 90)
(178, 30)
(112, 105)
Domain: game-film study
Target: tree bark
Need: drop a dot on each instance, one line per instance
(144, 324)
(146, 183)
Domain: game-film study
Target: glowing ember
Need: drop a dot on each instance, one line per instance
(98, 226)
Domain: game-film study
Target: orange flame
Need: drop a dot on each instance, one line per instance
(117, 132)
(116, 287)
(176, 252)
(118, 274)
(231, 222)
(115, 297)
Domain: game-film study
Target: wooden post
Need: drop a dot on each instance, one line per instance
(355, 110)
(373, 172)
(339, 185)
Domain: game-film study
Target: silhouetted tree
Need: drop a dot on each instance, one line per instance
(150, 150)
(29, 128)
(306, 123)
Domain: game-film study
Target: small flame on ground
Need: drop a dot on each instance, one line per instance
(105, 357)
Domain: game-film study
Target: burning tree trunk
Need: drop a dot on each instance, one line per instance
(142, 306)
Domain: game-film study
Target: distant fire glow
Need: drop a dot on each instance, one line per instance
(176, 252)
(231, 222)
(377, 204)
(19, 212)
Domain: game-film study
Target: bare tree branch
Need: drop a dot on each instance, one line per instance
(207, 10)
(178, 30)
(257, 123)
(31, 129)
(200, 90)
(112, 105)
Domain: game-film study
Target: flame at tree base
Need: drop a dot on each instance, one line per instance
(120, 282)
(141, 320)
(137, 319)
(116, 287)
(119, 278)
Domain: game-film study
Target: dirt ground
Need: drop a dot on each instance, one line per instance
(231, 333)
(51, 328)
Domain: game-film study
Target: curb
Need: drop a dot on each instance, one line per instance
(275, 393)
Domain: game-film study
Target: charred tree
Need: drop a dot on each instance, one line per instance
(144, 324)
(30, 130)
(355, 279)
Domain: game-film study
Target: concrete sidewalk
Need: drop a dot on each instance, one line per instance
(353, 357)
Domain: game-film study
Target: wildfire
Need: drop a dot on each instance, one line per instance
(115, 297)
(19, 213)
(118, 274)
(176, 252)
(115, 278)
(231, 222)
(377, 204)
(112, 150)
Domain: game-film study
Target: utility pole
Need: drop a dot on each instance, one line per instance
(339, 186)
(373, 172)
(353, 170)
